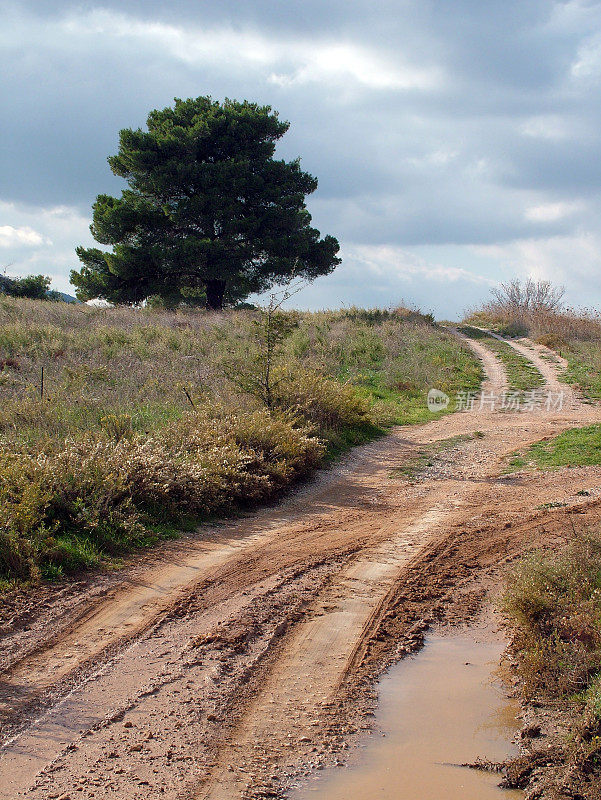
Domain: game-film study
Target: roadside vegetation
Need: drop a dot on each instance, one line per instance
(535, 310)
(120, 426)
(553, 600)
(521, 373)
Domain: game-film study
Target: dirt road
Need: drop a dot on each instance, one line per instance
(232, 662)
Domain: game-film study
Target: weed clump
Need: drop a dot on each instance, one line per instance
(329, 405)
(555, 600)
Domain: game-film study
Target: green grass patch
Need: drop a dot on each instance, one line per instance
(339, 443)
(584, 368)
(576, 447)
(398, 396)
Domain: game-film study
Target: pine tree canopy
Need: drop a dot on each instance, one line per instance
(209, 215)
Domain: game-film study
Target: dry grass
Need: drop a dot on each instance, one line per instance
(565, 325)
(553, 599)
(141, 425)
(146, 364)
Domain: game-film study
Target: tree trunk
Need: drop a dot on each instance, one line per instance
(215, 290)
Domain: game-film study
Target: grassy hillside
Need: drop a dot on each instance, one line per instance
(118, 426)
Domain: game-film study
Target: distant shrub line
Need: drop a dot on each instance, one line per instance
(35, 287)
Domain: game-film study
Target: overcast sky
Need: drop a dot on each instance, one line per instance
(456, 143)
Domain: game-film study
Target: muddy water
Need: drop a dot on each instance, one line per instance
(442, 707)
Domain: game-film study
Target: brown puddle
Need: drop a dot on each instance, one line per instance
(442, 707)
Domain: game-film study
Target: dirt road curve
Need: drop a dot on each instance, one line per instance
(229, 664)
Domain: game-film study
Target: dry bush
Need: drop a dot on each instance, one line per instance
(569, 325)
(536, 317)
(95, 495)
(551, 340)
(517, 296)
(327, 404)
(554, 598)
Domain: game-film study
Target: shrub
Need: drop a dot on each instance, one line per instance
(551, 340)
(64, 510)
(513, 329)
(555, 601)
(17, 556)
(283, 446)
(23, 505)
(593, 697)
(327, 404)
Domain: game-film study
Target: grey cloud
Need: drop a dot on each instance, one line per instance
(446, 161)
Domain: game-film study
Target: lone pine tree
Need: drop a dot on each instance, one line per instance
(209, 215)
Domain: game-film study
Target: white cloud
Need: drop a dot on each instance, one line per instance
(380, 260)
(574, 260)
(388, 275)
(551, 212)
(547, 126)
(288, 60)
(19, 237)
(436, 158)
(42, 240)
(341, 62)
(587, 63)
